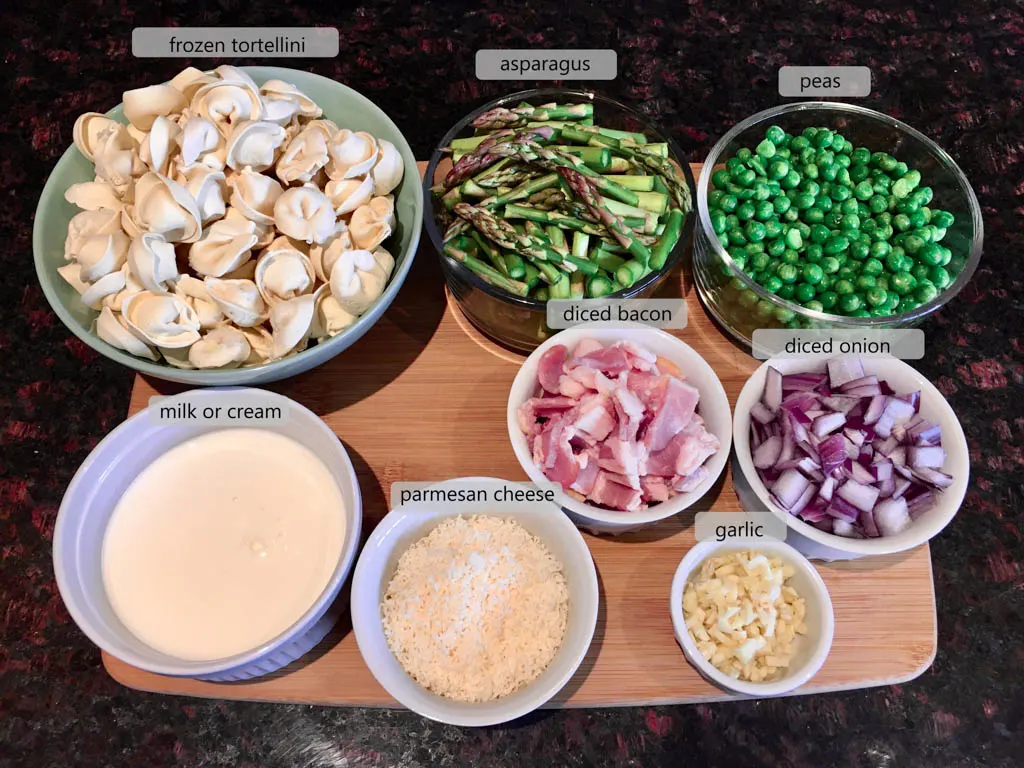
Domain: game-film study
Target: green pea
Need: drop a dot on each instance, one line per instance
(850, 222)
(810, 187)
(920, 271)
(908, 205)
(754, 248)
(778, 169)
(830, 265)
(881, 185)
(843, 177)
(807, 156)
(872, 267)
(791, 216)
(729, 203)
(788, 273)
(863, 191)
(900, 188)
(846, 272)
(907, 304)
(789, 256)
(880, 250)
(745, 210)
(859, 250)
(939, 277)
(938, 233)
(823, 138)
(748, 299)
(865, 282)
(785, 292)
(739, 258)
(754, 230)
(926, 292)
(878, 204)
(824, 203)
(913, 244)
(761, 191)
(840, 193)
(773, 284)
(923, 196)
(775, 134)
(859, 175)
(763, 211)
(804, 293)
(882, 281)
(781, 204)
(917, 220)
(819, 233)
(836, 244)
(718, 222)
(791, 180)
(814, 253)
(843, 287)
(891, 302)
(814, 305)
(759, 261)
(732, 221)
(744, 154)
(744, 193)
(887, 162)
(828, 299)
(850, 302)
(773, 229)
(931, 255)
(876, 297)
(942, 219)
(799, 143)
(766, 148)
(812, 274)
(809, 171)
(736, 237)
(830, 172)
(765, 308)
(926, 212)
(947, 256)
(803, 201)
(776, 247)
(746, 177)
(720, 177)
(814, 215)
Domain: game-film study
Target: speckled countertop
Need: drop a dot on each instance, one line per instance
(697, 69)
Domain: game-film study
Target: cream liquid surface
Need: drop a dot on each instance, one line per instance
(223, 543)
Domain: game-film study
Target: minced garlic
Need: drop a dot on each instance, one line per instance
(742, 616)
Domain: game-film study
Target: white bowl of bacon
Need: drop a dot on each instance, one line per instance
(860, 457)
(629, 422)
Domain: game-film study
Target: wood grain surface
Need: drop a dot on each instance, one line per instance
(422, 397)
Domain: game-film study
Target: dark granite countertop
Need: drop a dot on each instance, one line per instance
(956, 74)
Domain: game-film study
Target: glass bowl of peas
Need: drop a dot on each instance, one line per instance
(831, 215)
(582, 197)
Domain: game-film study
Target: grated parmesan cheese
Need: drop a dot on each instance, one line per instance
(476, 609)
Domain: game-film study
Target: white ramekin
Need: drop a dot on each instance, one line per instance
(713, 407)
(811, 648)
(99, 484)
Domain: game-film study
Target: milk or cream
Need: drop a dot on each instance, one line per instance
(223, 543)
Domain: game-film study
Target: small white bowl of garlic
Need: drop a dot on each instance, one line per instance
(751, 616)
(237, 226)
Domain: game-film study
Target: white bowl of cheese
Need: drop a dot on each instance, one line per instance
(376, 569)
(209, 551)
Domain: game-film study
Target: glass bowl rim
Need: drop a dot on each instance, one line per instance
(467, 275)
(954, 288)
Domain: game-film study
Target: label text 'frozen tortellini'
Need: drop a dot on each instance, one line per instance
(269, 42)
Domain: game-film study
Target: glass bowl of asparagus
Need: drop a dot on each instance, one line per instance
(554, 194)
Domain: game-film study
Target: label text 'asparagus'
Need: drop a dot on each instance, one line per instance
(596, 64)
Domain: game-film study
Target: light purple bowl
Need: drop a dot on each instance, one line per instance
(99, 484)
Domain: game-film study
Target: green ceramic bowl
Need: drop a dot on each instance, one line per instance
(340, 104)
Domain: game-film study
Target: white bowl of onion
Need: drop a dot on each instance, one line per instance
(904, 486)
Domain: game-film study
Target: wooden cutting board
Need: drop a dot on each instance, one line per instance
(422, 397)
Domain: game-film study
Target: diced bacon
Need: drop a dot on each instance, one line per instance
(609, 493)
(587, 462)
(685, 452)
(549, 369)
(587, 346)
(673, 412)
(648, 387)
(655, 488)
(619, 456)
(691, 481)
(609, 360)
(569, 387)
(616, 426)
(541, 407)
(639, 359)
(630, 481)
(595, 417)
(559, 463)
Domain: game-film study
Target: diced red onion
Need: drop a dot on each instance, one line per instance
(932, 456)
(860, 495)
(840, 403)
(898, 456)
(789, 488)
(855, 436)
(767, 454)
(886, 487)
(772, 389)
(892, 516)
(921, 504)
(882, 470)
(824, 425)
(868, 525)
(814, 512)
(883, 427)
(843, 370)
(826, 489)
(901, 484)
(925, 430)
(933, 477)
(914, 398)
(899, 410)
(862, 381)
(843, 510)
(842, 528)
(887, 446)
(858, 473)
(805, 498)
(802, 382)
(866, 390)
(761, 414)
(832, 452)
(874, 409)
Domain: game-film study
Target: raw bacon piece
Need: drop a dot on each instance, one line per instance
(639, 359)
(587, 346)
(619, 456)
(559, 463)
(685, 452)
(655, 488)
(549, 369)
(609, 493)
(674, 411)
(631, 413)
(541, 408)
(646, 386)
(595, 417)
(587, 476)
(608, 360)
(691, 481)
(569, 387)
